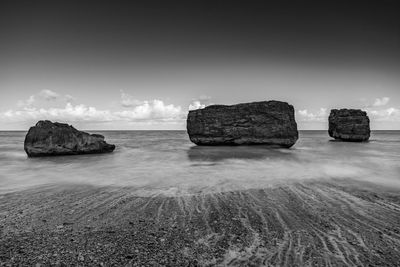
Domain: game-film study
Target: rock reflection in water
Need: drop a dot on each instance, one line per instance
(220, 153)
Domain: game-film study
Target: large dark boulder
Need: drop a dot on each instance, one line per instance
(52, 139)
(267, 122)
(349, 125)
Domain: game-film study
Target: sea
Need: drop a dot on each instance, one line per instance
(166, 163)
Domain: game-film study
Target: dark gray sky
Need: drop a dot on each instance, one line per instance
(140, 64)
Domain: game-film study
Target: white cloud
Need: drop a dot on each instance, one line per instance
(389, 114)
(149, 111)
(200, 102)
(68, 113)
(320, 115)
(34, 100)
(128, 101)
(381, 101)
(48, 94)
(377, 102)
(303, 112)
(138, 113)
(26, 103)
(196, 105)
(152, 110)
(69, 98)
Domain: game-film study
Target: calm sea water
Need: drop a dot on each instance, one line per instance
(166, 162)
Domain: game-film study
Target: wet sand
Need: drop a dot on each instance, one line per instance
(310, 223)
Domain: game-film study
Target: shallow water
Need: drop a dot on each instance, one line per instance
(167, 163)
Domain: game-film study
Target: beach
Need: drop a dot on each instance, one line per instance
(160, 201)
(315, 223)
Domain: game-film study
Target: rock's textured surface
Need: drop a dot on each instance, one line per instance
(349, 125)
(52, 139)
(266, 122)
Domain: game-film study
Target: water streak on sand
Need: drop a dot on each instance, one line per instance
(159, 200)
(308, 223)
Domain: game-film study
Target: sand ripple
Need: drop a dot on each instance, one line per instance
(335, 223)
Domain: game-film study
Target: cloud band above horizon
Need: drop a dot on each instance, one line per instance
(155, 114)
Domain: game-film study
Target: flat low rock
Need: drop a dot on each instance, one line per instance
(264, 123)
(52, 139)
(349, 125)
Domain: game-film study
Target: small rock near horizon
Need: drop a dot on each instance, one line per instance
(349, 125)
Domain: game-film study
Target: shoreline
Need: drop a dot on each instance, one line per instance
(319, 223)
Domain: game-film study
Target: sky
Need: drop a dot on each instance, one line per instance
(135, 65)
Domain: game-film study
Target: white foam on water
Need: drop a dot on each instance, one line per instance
(167, 163)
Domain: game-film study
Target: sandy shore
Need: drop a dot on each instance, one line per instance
(330, 223)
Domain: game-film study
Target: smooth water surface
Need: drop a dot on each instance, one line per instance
(166, 162)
